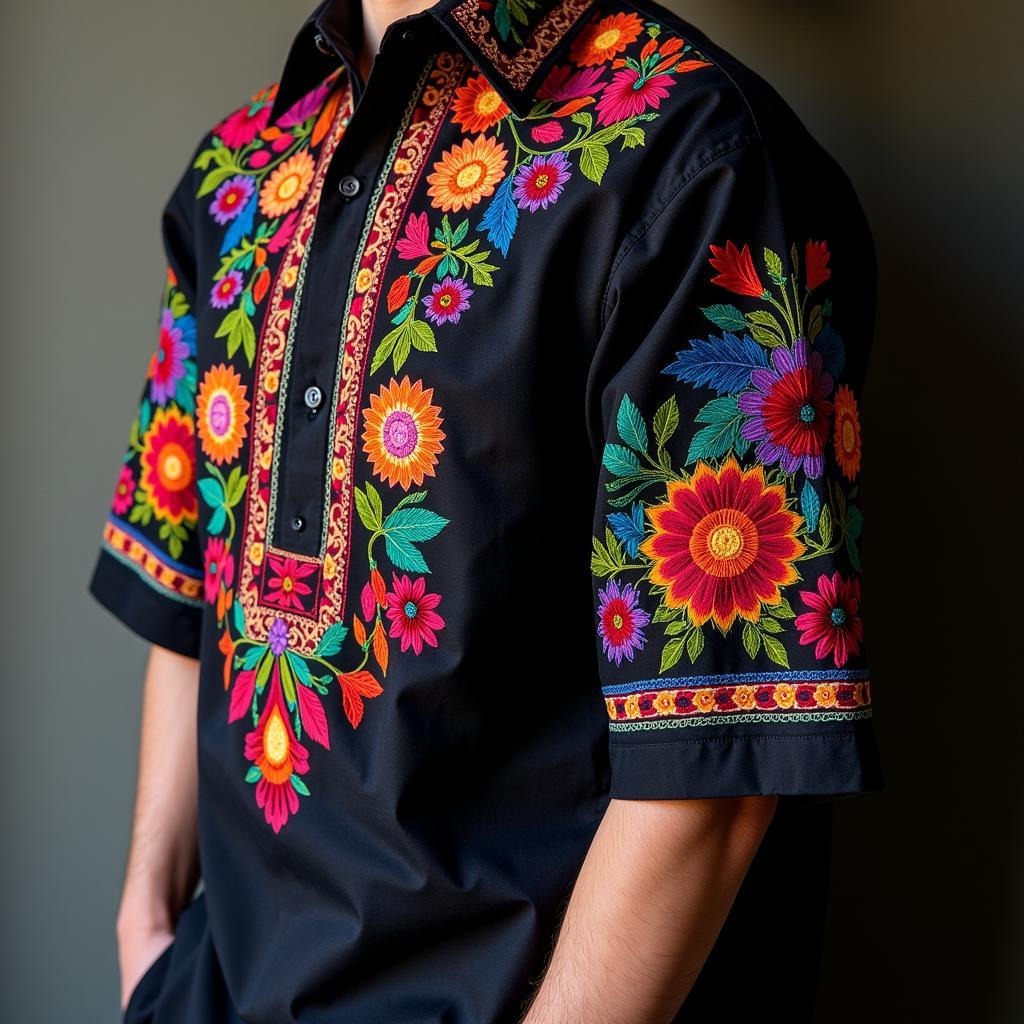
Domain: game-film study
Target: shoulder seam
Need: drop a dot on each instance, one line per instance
(712, 156)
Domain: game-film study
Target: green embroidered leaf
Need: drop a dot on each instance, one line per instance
(762, 324)
(633, 137)
(666, 614)
(415, 498)
(235, 490)
(460, 232)
(376, 505)
(775, 651)
(765, 337)
(331, 641)
(854, 521)
(238, 329)
(694, 645)
(728, 317)
(384, 348)
(666, 420)
(239, 616)
(298, 785)
(724, 421)
(631, 426)
(263, 672)
(782, 610)
(179, 304)
(751, 639)
(619, 460)
(671, 653)
(773, 261)
(607, 558)
(825, 526)
(422, 336)
(594, 161)
(287, 683)
(675, 628)
(770, 626)
(583, 118)
(215, 178)
(481, 272)
(254, 774)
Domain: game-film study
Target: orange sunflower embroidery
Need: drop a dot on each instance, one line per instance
(168, 466)
(221, 413)
(467, 173)
(478, 106)
(724, 544)
(600, 42)
(402, 436)
(847, 432)
(287, 185)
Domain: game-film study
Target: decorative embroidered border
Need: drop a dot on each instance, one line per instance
(748, 697)
(543, 38)
(422, 121)
(160, 572)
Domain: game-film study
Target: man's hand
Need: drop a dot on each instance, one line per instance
(653, 893)
(163, 862)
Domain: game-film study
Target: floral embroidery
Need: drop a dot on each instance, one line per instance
(722, 546)
(402, 437)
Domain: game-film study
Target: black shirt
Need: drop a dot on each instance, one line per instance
(499, 455)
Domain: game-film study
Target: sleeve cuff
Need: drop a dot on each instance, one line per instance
(819, 763)
(161, 616)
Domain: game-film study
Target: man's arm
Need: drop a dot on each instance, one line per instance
(163, 861)
(694, 854)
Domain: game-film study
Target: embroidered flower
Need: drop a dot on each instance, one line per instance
(415, 241)
(277, 637)
(230, 199)
(620, 621)
(287, 185)
(847, 432)
(540, 182)
(790, 411)
(167, 366)
(629, 93)
(402, 434)
(220, 568)
(286, 589)
(241, 127)
(124, 492)
(168, 466)
(448, 300)
(833, 624)
(221, 413)
(736, 270)
(477, 105)
(816, 258)
(563, 83)
(278, 758)
(226, 290)
(467, 173)
(724, 544)
(411, 611)
(602, 40)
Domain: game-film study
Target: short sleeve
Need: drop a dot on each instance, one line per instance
(149, 569)
(724, 403)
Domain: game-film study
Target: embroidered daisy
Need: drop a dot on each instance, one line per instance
(241, 127)
(604, 39)
(168, 469)
(287, 185)
(724, 544)
(833, 623)
(540, 182)
(124, 492)
(402, 434)
(411, 612)
(287, 588)
(226, 290)
(620, 621)
(467, 173)
(221, 413)
(448, 300)
(230, 199)
(167, 366)
(789, 409)
(629, 93)
(220, 568)
(477, 105)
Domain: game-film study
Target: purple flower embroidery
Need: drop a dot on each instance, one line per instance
(620, 621)
(226, 290)
(278, 637)
(448, 300)
(540, 182)
(168, 365)
(230, 199)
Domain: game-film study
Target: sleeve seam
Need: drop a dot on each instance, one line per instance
(711, 157)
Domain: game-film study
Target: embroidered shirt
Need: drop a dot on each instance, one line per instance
(499, 455)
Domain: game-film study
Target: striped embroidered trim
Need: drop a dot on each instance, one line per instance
(519, 68)
(772, 696)
(157, 570)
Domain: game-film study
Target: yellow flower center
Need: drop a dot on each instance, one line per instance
(174, 473)
(469, 176)
(275, 739)
(488, 102)
(849, 436)
(541, 181)
(445, 300)
(617, 621)
(607, 39)
(288, 186)
(725, 542)
(286, 584)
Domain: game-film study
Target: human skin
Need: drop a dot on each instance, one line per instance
(607, 934)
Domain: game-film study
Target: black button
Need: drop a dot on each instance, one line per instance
(298, 524)
(349, 186)
(322, 45)
(409, 35)
(313, 397)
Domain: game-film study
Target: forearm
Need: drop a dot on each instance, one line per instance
(163, 860)
(652, 895)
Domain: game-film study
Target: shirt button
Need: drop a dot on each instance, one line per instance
(349, 186)
(313, 397)
(322, 45)
(298, 524)
(409, 35)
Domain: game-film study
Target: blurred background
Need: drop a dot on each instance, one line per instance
(920, 101)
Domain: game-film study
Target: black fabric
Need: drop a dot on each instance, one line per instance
(575, 519)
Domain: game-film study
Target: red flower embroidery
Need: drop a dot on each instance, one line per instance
(816, 258)
(736, 270)
(833, 624)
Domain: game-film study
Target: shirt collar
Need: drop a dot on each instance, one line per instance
(513, 55)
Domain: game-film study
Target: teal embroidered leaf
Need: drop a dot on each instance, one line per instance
(252, 656)
(239, 617)
(810, 505)
(631, 425)
(406, 527)
(724, 421)
(331, 641)
(666, 421)
(594, 161)
(404, 310)
(254, 774)
(300, 668)
(671, 653)
(751, 639)
(212, 491)
(775, 651)
(217, 521)
(728, 317)
(620, 461)
(298, 785)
